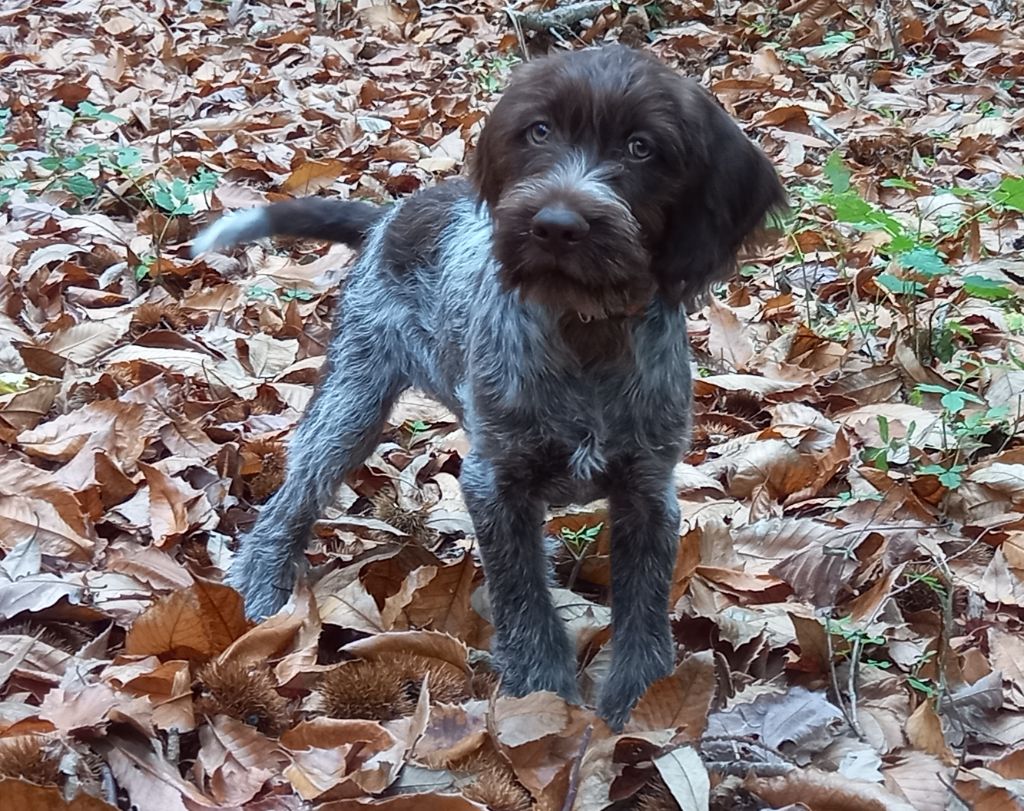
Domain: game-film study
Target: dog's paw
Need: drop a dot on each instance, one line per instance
(264, 580)
(618, 697)
(626, 684)
(524, 677)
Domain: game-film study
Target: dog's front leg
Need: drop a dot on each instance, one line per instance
(532, 647)
(645, 537)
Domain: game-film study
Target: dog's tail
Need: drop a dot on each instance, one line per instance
(346, 221)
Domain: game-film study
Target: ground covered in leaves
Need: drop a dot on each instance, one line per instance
(849, 590)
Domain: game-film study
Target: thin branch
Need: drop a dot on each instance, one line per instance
(561, 17)
(577, 763)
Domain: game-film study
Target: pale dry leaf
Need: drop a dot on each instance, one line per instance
(84, 343)
(237, 759)
(686, 777)
(23, 518)
(26, 558)
(729, 338)
(40, 591)
(518, 721)
(1007, 652)
(152, 784)
(797, 722)
(917, 777)
(452, 732)
(351, 607)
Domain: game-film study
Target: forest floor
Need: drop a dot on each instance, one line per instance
(848, 595)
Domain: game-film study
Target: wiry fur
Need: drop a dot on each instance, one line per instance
(569, 368)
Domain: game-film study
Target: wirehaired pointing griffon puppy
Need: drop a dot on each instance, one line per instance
(543, 302)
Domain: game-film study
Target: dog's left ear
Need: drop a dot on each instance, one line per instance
(732, 187)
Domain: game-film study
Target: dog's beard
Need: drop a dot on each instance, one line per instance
(606, 274)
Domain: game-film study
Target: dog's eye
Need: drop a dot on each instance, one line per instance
(639, 148)
(538, 132)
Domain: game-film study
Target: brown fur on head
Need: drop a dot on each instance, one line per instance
(609, 177)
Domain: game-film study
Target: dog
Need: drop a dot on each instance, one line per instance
(543, 301)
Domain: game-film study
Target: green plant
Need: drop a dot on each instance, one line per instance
(415, 427)
(967, 422)
(145, 266)
(294, 294)
(576, 543)
(174, 197)
(911, 262)
(87, 171)
(892, 450)
(926, 686)
(490, 72)
(854, 637)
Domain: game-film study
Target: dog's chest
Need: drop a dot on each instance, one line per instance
(540, 405)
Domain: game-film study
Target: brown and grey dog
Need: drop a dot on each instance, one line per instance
(544, 302)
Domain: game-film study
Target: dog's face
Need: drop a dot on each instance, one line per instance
(609, 177)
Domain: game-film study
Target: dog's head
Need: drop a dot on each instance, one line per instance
(609, 177)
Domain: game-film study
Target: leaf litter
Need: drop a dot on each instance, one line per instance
(848, 596)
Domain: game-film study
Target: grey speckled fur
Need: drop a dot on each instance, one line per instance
(427, 306)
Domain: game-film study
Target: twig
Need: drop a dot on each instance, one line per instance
(834, 680)
(173, 746)
(577, 763)
(951, 788)
(748, 755)
(514, 19)
(851, 685)
(109, 785)
(562, 17)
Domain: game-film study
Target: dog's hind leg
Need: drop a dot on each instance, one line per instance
(339, 430)
(532, 647)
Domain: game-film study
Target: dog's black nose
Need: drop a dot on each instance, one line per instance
(558, 227)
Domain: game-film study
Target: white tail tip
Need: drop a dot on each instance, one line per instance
(232, 229)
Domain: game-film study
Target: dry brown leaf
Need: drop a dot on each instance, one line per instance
(679, 702)
(127, 426)
(428, 644)
(22, 410)
(603, 761)
(326, 751)
(196, 623)
(237, 760)
(452, 733)
(22, 518)
(312, 176)
(822, 791)
(27, 797)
